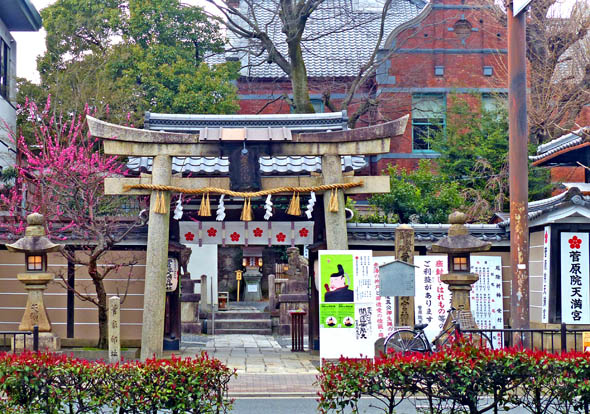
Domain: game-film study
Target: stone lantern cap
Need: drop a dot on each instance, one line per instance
(35, 240)
(459, 240)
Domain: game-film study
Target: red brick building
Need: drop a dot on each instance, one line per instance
(429, 50)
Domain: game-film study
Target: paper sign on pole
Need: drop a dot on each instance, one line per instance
(347, 304)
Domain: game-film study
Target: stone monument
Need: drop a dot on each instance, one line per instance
(294, 295)
(35, 245)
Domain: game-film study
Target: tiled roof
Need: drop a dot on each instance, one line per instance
(268, 165)
(540, 207)
(353, 28)
(563, 142)
(277, 165)
(331, 121)
(424, 234)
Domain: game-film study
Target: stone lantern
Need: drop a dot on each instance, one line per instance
(459, 245)
(35, 245)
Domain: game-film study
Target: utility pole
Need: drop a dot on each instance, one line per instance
(518, 164)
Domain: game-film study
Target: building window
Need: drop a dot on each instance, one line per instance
(4, 68)
(493, 102)
(318, 106)
(428, 118)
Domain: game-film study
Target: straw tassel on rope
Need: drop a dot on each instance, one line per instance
(160, 205)
(205, 209)
(333, 205)
(294, 209)
(247, 211)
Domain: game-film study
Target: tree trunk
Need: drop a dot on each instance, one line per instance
(101, 296)
(301, 102)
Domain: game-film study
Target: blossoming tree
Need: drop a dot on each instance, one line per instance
(61, 175)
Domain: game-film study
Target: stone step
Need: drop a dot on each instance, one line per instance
(242, 324)
(242, 331)
(225, 315)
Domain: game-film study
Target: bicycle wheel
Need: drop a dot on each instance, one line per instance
(405, 340)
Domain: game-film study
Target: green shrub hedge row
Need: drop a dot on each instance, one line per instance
(44, 383)
(463, 379)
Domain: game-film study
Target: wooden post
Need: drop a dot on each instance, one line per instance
(154, 299)
(114, 329)
(404, 250)
(336, 235)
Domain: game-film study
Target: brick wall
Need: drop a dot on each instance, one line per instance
(439, 38)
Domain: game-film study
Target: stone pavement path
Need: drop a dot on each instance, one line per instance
(265, 364)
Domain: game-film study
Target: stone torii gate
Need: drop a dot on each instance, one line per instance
(162, 146)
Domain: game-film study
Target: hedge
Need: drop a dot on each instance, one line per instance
(53, 384)
(463, 379)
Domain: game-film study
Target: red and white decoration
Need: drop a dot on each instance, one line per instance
(247, 233)
(575, 289)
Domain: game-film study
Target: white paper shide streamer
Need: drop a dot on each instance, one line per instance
(178, 209)
(310, 205)
(220, 215)
(268, 208)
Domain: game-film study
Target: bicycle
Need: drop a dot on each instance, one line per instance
(414, 340)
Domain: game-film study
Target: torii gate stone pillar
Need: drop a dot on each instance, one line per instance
(211, 142)
(336, 239)
(152, 337)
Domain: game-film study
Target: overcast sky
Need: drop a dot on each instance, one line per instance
(31, 45)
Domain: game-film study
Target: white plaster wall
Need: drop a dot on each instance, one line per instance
(8, 107)
(203, 261)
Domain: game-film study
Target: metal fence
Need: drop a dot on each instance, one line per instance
(13, 335)
(552, 340)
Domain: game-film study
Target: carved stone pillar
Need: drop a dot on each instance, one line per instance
(404, 250)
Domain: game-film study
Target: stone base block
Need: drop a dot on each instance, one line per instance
(189, 312)
(47, 342)
(191, 327)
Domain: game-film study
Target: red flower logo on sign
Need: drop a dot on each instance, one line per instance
(281, 237)
(212, 232)
(189, 236)
(304, 232)
(575, 243)
(234, 236)
(257, 232)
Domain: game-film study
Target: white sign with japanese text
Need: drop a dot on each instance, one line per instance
(347, 304)
(575, 288)
(384, 307)
(487, 306)
(546, 274)
(433, 298)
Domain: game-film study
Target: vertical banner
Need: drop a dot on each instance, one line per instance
(384, 318)
(433, 298)
(546, 275)
(347, 303)
(574, 278)
(487, 305)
